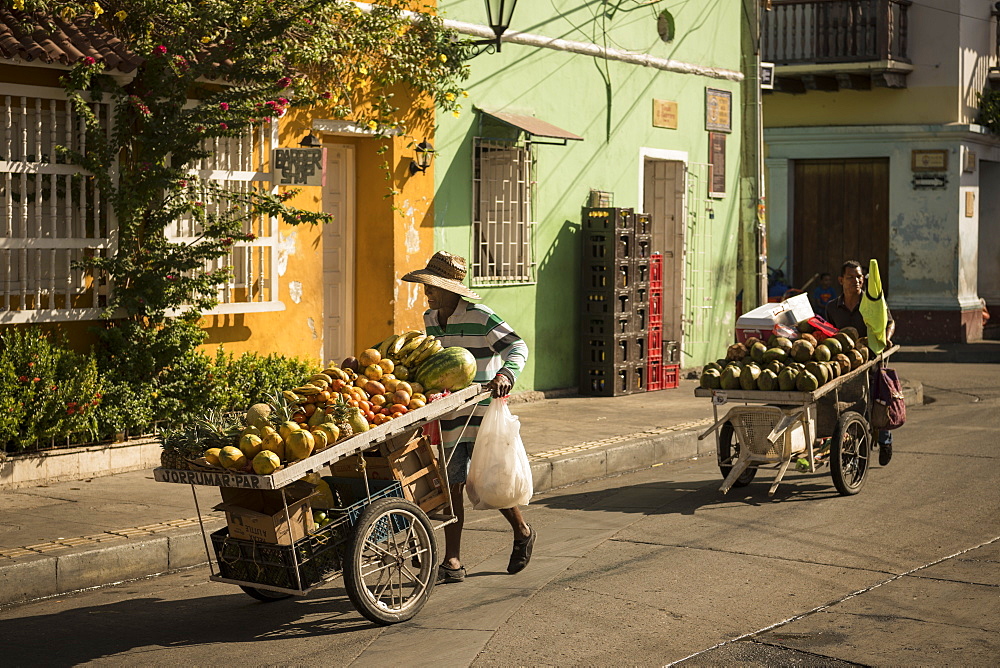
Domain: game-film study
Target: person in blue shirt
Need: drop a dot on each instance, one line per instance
(823, 293)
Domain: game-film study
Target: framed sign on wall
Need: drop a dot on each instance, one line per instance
(717, 164)
(718, 110)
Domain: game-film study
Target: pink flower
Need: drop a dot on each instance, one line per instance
(327, 95)
(200, 128)
(53, 388)
(161, 50)
(251, 236)
(70, 411)
(71, 404)
(35, 379)
(223, 126)
(182, 183)
(283, 100)
(224, 106)
(31, 365)
(23, 379)
(284, 82)
(89, 61)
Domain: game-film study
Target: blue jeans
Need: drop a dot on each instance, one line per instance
(884, 437)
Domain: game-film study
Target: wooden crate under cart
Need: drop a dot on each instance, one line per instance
(408, 458)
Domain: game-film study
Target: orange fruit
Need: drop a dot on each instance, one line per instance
(398, 408)
(369, 357)
(416, 403)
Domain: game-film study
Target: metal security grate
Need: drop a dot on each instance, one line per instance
(503, 226)
(51, 214)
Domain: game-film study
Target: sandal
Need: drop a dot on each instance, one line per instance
(446, 574)
(521, 554)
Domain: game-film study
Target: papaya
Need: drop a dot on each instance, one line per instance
(834, 346)
(802, 350)
(736, 351)
(757, 352)
(846, 342)
(749, 376)
(711, 379)
(730, 378)
(782, 342)
(806, 382)
(822, 353)
(787, 378)
(767, 381)
(775, 354)
(844, 362)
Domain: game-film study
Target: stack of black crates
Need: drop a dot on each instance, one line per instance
(615, 312)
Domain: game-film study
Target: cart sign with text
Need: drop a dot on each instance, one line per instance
(299, 166)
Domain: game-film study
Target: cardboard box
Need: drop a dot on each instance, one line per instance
(760, 322)
(412, 462)
(259, 514)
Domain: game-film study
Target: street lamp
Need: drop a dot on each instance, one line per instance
(424, 154)
(498, 15)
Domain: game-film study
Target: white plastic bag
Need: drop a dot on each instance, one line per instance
(499, 474)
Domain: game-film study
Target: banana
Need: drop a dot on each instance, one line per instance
(291, 396)
(336, 374)
(307, 389)
(383, 348)
(320, 376)
(401, 341)
(410, 346)
(435, 348)
(410, 359)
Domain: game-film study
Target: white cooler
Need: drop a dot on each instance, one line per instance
(760, 322)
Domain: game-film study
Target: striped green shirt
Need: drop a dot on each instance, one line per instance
(497, 349)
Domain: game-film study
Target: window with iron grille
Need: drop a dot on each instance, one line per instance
(237, 165)
(51, 213)
(503, 219)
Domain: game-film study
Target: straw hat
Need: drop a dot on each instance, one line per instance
(445, 271)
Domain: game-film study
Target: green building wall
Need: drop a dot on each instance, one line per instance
(609, 104)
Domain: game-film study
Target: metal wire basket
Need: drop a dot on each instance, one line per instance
(754, 425)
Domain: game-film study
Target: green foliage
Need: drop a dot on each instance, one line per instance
(250, 378)
(989, 109)
(46, 391)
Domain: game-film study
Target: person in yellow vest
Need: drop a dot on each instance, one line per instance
(845, 311)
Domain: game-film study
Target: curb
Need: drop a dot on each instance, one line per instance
(39, 576)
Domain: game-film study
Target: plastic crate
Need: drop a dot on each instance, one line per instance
(642, 223)
(607, 218)
(641, 269)
(641, 293)
(642, 245)
(671, 376)
(319, 554)
(624, 245)
(607, 275)
(621, 324)
(598, 246)
(656, 270)
(655, 302)
(654, 375)
(670, 351)
(608, 302)
(631, 349)
(641, 317)
(654, 339)
(612, 380)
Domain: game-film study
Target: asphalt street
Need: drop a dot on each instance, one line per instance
(647, 568)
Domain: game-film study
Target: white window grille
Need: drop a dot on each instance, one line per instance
(51, 214)
(237, 164)
(503, 221)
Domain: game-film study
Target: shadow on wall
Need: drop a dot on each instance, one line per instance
(557, 310)
(227, 329)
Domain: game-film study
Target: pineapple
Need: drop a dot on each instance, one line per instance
(179, 445)
(339, 417)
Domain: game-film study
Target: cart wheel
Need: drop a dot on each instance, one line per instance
(391, 565)
(265, 595)
(849, 453)
(729, 447)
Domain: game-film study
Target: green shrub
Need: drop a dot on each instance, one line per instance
(989, 109)
(48, 392)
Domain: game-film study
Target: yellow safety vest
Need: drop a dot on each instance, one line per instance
(873, 309)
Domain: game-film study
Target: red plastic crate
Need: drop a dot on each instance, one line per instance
(654, 375)
(656, 270)
(654, 344)
(671, 376)
(655, 307)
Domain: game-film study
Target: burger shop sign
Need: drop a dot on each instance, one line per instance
(299, 166)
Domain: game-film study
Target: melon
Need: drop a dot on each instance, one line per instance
(451, 369)
(257, 415)
(265, 463)
(231, 457)
(299, 445)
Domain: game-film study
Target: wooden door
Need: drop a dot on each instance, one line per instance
(663, 200)
(338, 253)
(841, 212)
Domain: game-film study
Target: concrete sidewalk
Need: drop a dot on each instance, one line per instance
(74, 535)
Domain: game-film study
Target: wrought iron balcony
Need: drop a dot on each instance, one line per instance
(833, 44)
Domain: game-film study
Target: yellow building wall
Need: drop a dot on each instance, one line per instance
(879, 106)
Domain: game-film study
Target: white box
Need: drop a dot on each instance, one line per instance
(760, 321)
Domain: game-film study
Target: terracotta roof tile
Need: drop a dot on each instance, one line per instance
(67, 43)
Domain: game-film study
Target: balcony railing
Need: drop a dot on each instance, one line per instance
(800, 32)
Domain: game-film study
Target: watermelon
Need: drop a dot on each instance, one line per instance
(451, 369)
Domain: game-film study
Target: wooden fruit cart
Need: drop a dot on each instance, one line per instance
(382, 542)
(811, 429)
